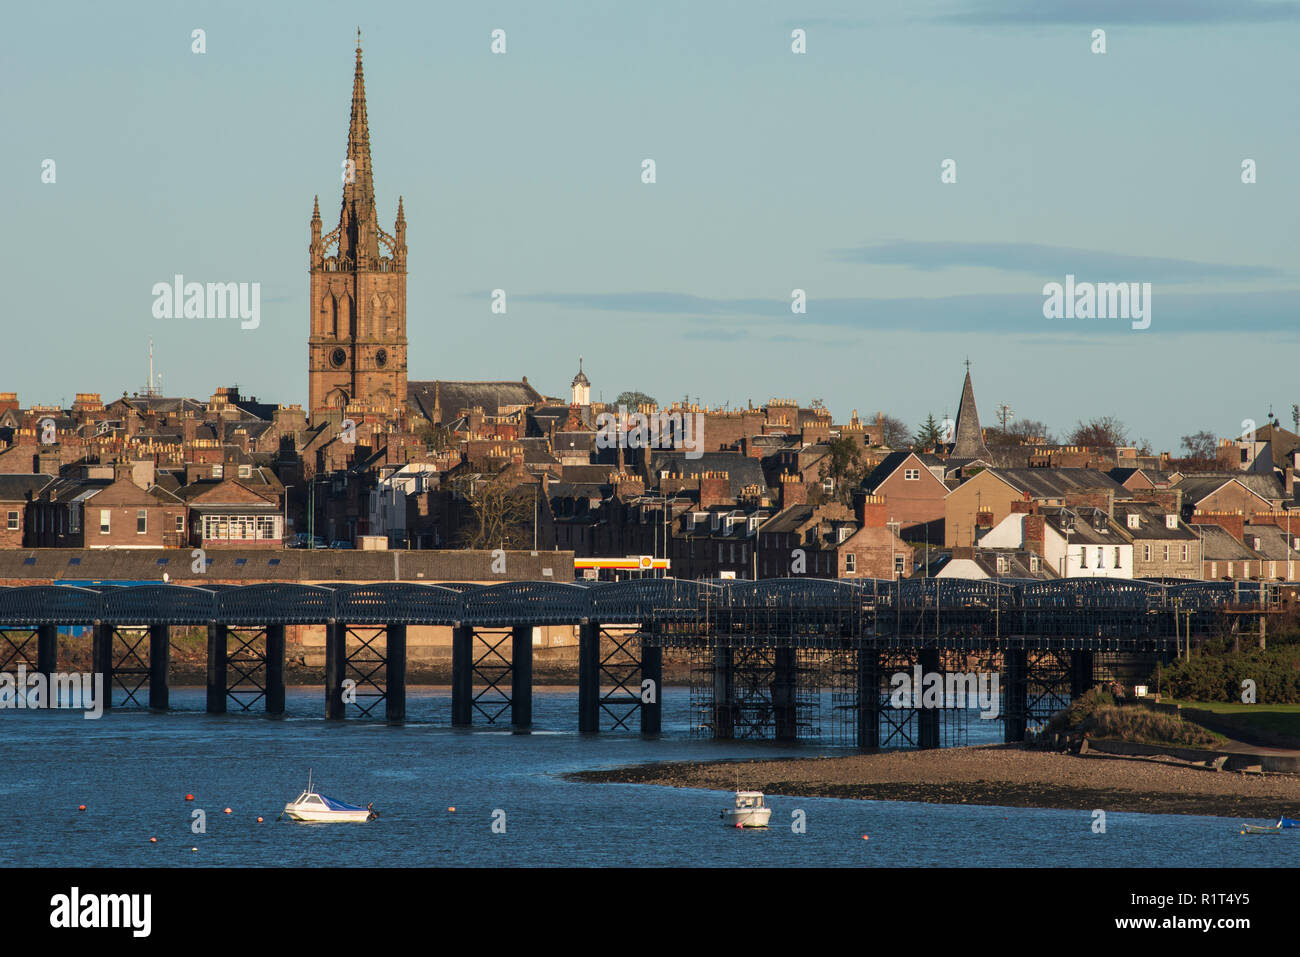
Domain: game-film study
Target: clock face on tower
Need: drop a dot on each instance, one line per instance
(381, 357)
(338, 357)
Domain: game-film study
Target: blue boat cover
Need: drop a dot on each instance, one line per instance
(334, 805)
(1289, 822)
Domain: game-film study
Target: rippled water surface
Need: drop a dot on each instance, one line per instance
(132, 770)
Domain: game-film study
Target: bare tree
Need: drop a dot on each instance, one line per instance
(498, 515)
(1024, 432)
(896, 433)
(1101, 433)
(1201, 445)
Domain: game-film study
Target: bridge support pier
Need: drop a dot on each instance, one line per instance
(47, 651)
(927, 719)
(462, 676)
(336, 660)
(101, 654)
(724, 724)
(159, 656)
(521, 678)
(217, 653)
(1015, 705)
(589, 678)
(275, 669)
(783, 703)
(868, 698)
(395, 676)
(652, 670)
(1080, 673)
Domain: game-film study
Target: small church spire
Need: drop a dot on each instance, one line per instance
(968, 437)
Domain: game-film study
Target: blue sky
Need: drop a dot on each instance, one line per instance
(775, 171)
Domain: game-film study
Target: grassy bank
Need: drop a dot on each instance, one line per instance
(1099, 716)
(1276, 719)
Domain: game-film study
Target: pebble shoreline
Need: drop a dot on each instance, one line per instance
(997, 775)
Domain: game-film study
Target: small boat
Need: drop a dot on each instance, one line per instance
(1282, 822)
(749, 811)
(317, 808)
(1256, 829)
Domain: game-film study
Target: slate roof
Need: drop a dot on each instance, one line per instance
(741, 469)
(454, 396)
(317, 565)
(1055, 483)
(19, 488)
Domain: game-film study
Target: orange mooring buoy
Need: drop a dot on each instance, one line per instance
(451, 810)
(153, 840)
(259, 820)
(81, 807)
(189, 797)
(866, 837)
(227, 810)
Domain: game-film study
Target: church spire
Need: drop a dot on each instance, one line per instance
(968, 437)
(360, 234)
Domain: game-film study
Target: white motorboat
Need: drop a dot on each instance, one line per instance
(317, 808)
(750, 811)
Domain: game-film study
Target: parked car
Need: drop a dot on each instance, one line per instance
(341, 543)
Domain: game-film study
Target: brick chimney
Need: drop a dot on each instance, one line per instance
(715, 489)
(792, 491)
(1169, 499)
(625, 485)
(870, 510)
(1034, 533)
(1234, 523)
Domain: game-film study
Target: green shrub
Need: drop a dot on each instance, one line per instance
(1210, 676)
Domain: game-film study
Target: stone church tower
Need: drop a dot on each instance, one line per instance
(357, 347)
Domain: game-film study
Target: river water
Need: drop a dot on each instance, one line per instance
(132, 770)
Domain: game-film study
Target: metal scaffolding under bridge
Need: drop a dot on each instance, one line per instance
(762, 652)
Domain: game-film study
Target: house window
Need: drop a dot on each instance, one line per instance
(1099, 558)
(1184, 554)
(1166, 553)
(141, 521)
(1033, 563)
(1171, 521)
(911, 475)
(1083, 557)
(899, 562)
(104, 520)
(180, 523)
(13, 521)
(850, 564)
(1002, 565)
(1229, 569)
(1134, 520)
(245, 471)
(74, 517)
(1146, 553)
(1117, 558)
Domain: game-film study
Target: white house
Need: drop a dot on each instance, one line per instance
(387, 506)
(1077, 542)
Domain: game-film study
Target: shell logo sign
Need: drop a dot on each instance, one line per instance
(631, 563)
